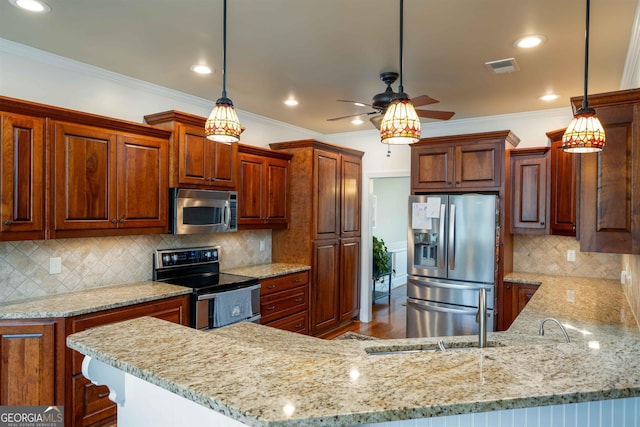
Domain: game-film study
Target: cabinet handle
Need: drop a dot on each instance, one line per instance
(298, 300)
(103, 395)
(114, 221)
(271, 307)
(121, 220)
(271, 286)
(507, 286)
(298, 280)
(7, 222)
(457, 182)
(298, 325)
(573, 226)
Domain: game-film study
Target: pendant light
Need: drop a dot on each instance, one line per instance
(585, 133)
(223, 124)
(401, 124)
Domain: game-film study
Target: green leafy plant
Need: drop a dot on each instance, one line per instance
(381, 259)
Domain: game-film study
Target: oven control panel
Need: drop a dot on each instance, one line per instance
(182, 257)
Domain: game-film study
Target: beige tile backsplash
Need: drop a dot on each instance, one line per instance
(94, 262)
(548, 255)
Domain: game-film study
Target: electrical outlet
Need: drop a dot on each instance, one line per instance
(623, 277)
(571, 295)
(55, 265)
(571, 255)
(262, 246)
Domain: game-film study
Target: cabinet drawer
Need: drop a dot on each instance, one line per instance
(294, 323)
(91, 402)
(272, 285)
(282, 304)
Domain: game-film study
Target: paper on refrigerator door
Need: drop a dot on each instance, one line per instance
(422, 213)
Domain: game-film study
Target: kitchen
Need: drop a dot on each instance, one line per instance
(99, 261)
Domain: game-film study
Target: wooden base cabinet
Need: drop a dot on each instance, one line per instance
(284, 302)
(516, 296)
(324, 227)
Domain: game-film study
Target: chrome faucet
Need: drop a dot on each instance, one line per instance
(482, 318)
(564, 331)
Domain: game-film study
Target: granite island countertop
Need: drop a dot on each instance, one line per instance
(264, 271)
(259, 369)
(90, 300)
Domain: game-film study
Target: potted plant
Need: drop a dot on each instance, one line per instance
(381, 260)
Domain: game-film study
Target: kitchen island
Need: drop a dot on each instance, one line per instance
(247, 374)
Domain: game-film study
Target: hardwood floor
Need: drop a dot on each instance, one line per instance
(388, 318)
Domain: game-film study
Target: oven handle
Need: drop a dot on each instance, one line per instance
(212, 295)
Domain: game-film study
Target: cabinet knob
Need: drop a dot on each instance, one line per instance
(457, 182)
(271, 286)
(114, 221)
(573, 227)
(271, 307)
(298, 300)
(448, 182)
(7, 222)
(121, 220)
(542, 223)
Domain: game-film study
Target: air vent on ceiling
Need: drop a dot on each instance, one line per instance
(500, 66)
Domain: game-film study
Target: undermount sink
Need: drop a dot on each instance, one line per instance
(428, 348)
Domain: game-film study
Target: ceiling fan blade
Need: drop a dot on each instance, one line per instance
(358, 103)
(421, 100)
(377, 120)
(434, 114)
(352, 115)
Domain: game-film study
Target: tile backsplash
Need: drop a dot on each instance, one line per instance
(548, 255)
(94, 262)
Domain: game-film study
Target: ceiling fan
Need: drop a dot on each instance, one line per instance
(381, 101)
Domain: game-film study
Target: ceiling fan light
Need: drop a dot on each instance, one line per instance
(584, 134)
(223, 124)
(401, 124)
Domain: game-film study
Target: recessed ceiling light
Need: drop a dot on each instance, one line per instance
(529, 41)
(201, 69)
(31, 5)
(549, 97)
(357, 121)
(291, 102)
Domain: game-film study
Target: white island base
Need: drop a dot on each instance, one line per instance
(141, 404)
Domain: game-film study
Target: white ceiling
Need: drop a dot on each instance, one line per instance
(323, 50)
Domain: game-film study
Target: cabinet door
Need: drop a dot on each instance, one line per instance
(326, 199)
(325, 286)
(223, 169)
(276, 191)
(563, 194)
(529, 185)
(193, 156)
(478, 165)
(609, 180)
(250, 189)
(432, 168)
(349, 278)
(350, 196)
(27, 364)
(22, 178)
(142, 182)
(84, 173)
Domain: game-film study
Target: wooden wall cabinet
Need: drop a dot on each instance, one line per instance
(563, 189)
(458, 162)
(263, 188)
(610, 180)
(516, 296)
(22, 183)
(530, 175)
(324, 227)
(31, 362)
(194, 160)
(107, 180)
(284, 302)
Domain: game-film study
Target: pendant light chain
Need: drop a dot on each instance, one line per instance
(400, 87)
(585, 103)
(224, 49)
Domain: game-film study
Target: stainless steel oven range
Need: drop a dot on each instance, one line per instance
(218, 299)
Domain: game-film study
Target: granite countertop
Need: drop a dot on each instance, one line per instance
(263, 271)
(259, 369)
(89, 301)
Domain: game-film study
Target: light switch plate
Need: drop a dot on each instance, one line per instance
(55, 265)
(623, 277)
(571, 255)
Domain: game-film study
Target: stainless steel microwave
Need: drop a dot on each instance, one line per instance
(193, 211)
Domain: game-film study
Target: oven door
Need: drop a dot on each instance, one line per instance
(202, 211)
(232, 310)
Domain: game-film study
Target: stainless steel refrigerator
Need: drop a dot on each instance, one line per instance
(451, 256)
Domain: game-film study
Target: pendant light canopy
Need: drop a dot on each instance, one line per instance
(223, 124)
(585, 133)
(401, 124)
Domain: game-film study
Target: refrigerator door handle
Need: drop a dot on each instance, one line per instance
(452, 237)
(421, 305)
(443, 211)
(455, 286)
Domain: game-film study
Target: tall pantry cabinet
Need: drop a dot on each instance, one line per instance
(324, 227)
